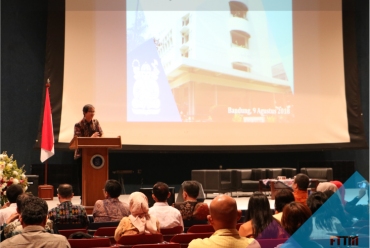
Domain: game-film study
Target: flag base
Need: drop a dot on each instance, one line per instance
(46, 192)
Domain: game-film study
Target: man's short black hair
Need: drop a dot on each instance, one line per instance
(282, 198)
(20, 201)
(302, 181)
(80, 235)
(86, 108)
(113, 188)
(191, 188)
(13, 191)
(160, 191)
(65, 191)
(35, 210)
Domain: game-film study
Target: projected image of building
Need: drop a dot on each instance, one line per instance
(216, 60)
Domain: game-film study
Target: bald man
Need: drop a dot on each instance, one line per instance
(223, 217)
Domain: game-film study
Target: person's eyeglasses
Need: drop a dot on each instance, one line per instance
(91, 112)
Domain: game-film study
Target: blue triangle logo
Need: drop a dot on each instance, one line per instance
(340, 221)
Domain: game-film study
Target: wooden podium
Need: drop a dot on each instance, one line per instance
(95, 166)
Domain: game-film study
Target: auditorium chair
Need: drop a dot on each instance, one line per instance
(168, 233)
(88, 243)
(321, 174)
(91, 229)
(185, 238)
(247, 180)
(166, 245)
(201, 229)
(58, 227)
(127, 240)
(106, 232)
(214, 181)
(273, 173)
(66, 233)
(190, 223)
(271, 243)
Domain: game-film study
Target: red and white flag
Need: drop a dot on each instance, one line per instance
(47, 135)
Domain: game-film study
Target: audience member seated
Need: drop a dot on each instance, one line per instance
(80, 235)
(326, 186)
(139, 221)
(342, 191)
(110, 209)
(66, 213)
(325, 223)
(191, 209)
(223, 217)
(360, 211)
(282, 198)
(300, 186)
(295, 214)
(328, 193)
(167, 216)
(10, 207)
(316, 200)
(335, 205)
(13, 226)
(33, 219)
(260, 218)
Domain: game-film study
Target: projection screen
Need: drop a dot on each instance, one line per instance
(206, 73)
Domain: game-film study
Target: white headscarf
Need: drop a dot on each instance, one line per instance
(139, 217)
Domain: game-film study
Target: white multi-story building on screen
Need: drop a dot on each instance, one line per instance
(221, 58)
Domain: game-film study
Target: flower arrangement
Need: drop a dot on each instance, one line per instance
(10, 174)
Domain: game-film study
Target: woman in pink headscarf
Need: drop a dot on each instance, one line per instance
(139, 222)
(342, 191)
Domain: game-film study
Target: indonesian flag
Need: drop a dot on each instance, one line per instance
(47, 135)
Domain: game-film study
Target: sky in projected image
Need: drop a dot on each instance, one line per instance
(233, 64)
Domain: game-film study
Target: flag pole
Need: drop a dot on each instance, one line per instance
(45, 191)
(46, 172)
(46, 161)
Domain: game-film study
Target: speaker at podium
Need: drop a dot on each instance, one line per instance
(201, 197)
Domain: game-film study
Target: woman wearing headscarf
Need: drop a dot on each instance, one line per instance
(139, 222)
(342, 191)
(326, 186)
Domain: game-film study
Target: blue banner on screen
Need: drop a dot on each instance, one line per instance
(149, 97)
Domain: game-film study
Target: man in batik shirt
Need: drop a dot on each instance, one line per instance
(191, 209)
(87, 127)
(111, 209)
(66, 213)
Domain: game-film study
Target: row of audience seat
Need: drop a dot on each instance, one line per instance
(103, 237)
